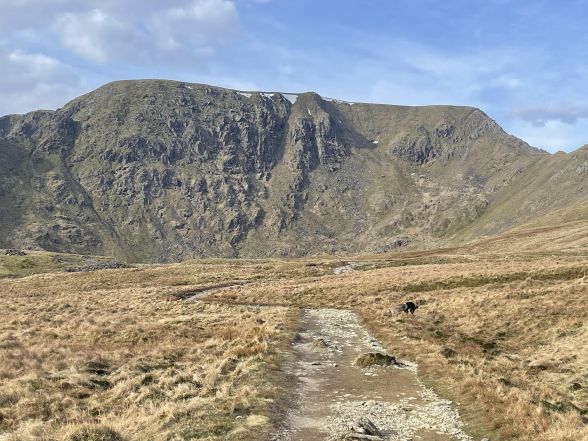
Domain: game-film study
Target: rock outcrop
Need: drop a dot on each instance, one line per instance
(163, 171)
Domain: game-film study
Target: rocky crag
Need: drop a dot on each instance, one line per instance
(162, 171)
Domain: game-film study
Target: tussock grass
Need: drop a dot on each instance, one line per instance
(99, 356)
(513, 352)
(502, 334)
(119, 354)
(563, 273)
(353, 289)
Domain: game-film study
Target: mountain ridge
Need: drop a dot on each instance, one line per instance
(153, 170)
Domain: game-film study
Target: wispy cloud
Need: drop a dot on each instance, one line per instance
(540, 116)
(33, 80)
(47, 47)
(553, 135)
(171, 34)
(97, 36)
(498, 55)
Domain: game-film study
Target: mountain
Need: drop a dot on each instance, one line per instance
(157, 170)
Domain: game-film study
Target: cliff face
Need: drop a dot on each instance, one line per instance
(161, 170)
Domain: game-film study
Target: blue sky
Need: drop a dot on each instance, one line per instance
(525, 63)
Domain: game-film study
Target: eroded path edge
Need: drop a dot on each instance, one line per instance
(333, 394)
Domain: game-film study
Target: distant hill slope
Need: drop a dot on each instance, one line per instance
(160, 170)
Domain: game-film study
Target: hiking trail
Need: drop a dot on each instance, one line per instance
(332, 394)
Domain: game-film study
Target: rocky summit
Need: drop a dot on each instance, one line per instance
(163, 171)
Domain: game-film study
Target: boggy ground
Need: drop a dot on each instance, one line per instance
(501, 329)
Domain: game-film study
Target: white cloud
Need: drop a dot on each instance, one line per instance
(379, 69)
(20, 15)
(539, 116)
(96, 35)
(31, 81)
(53, 50)
(193, 28)
(34, 63)
(187, 30)
(416, 74)
(211, 16)
(552, 136)
(131, 31)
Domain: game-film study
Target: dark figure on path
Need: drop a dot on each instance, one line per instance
(409, 307)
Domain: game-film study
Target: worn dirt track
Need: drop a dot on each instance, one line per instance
(332, 393)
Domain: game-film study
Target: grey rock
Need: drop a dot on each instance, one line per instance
(13, 252)
(164, 171)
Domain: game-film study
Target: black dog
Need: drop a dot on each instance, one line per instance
(409, 307)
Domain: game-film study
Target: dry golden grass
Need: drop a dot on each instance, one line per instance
(117, 355)
(85, 355)
(389, 277)
(555, 239)
(513, 354)
(504, 333)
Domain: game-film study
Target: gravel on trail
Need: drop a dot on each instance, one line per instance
(333, 394)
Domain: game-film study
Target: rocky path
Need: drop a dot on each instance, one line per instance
(343, 269)
(333, 395)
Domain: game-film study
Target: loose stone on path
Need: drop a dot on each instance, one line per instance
(335, 399)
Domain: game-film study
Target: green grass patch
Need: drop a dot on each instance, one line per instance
(566, 273)
(409, 262)
(38, 262)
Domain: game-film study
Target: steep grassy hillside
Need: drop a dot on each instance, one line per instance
(552, 189)
(22, 264)
(164, 171)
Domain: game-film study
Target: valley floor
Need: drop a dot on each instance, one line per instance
(205, 349)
